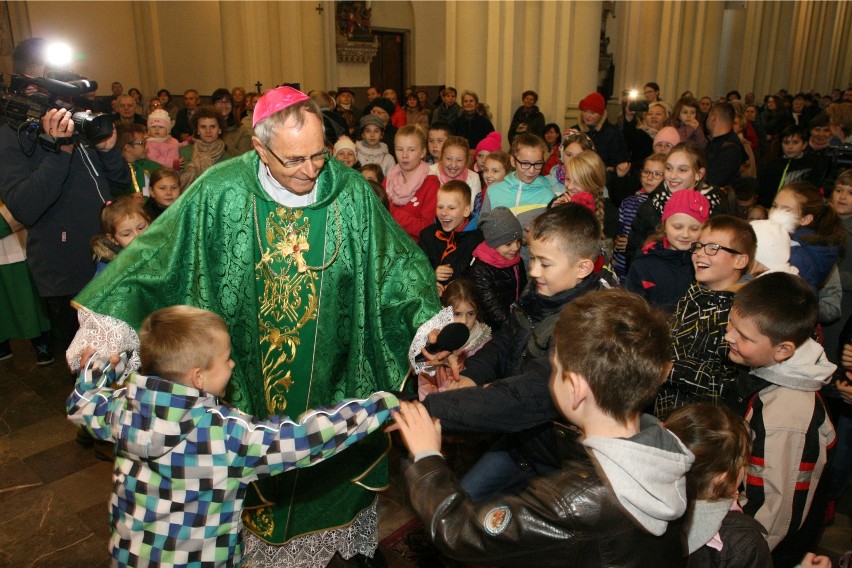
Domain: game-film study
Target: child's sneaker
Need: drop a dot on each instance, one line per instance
(5, 350)
(44, 356)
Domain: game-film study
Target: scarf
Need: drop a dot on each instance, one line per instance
(489, 255)
(450, 239)
(205, 154)
(444, 177)
(400, 191)
(652, 132)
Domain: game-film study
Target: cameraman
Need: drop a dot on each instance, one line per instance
(58, 197)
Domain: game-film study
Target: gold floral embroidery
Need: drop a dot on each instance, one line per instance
(260, 521)
(289, 299)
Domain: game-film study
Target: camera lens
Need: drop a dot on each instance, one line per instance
(92, 127)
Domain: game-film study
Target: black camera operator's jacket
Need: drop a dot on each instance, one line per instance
(58, 197)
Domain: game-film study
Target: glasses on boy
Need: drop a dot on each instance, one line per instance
(711, 249)
(652, 174)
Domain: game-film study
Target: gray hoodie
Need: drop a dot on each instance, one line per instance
(807, 370)
(646, 473)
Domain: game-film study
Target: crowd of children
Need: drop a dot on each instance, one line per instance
(718, 333)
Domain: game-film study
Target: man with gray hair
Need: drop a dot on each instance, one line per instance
(322, 292)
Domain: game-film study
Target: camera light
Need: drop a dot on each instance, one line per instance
(58, 54)
(633, 93)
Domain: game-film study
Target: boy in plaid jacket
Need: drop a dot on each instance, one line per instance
(183, 459)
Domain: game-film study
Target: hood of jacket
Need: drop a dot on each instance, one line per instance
(646, 473)
(807, 370)
(167, 412)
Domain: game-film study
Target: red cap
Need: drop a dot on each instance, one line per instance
(274, 100)
(594, 102)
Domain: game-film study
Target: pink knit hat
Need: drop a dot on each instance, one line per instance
(274, 100)
(668, 134)
(159, 117)
(688, 201)
(594, 102)
(493, 142)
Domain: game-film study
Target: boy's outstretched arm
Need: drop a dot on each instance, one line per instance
(276, 445)
(94, 404)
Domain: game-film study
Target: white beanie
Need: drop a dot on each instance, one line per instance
(344, 143)
(773, 241)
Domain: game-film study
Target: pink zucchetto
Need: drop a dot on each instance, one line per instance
(274, 100)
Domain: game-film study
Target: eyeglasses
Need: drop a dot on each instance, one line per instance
(710, 249)
(664, 145)
(317, 159)
(529, 165)
(143, 143)
(652, 173)
(223, 102)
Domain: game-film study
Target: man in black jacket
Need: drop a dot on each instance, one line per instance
(725, 152)
(58, 196)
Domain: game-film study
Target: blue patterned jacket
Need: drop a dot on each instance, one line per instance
(183, 461)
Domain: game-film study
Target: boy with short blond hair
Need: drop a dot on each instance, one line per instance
(770, 329)
(610, 504)
(701, 371)
(183, 460)
(449, 243)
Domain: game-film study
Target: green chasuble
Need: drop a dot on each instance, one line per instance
(321, 302)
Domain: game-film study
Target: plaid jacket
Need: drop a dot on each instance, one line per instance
(183, 462)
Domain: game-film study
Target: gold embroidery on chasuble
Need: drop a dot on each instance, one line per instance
(288, 302)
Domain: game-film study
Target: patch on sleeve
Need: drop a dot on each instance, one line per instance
(646, 284)
(497, 519)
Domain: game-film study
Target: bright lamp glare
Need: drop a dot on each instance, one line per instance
(58, 54)
(633, 94)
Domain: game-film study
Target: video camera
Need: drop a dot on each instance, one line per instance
(22, 107)
(633, 102)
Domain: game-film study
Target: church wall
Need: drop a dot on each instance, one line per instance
(497, 49)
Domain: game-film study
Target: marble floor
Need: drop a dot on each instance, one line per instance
(54, 493)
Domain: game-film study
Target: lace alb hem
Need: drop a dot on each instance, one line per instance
(421, 338)
(315, 550)
(107, 336)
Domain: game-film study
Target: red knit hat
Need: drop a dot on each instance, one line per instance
(585, 199)
(594, 102)
(688, 201)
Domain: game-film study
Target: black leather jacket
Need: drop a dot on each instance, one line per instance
(570, 519)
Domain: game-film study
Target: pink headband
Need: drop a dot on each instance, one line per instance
(274, 100)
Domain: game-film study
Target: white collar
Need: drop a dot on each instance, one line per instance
(281, 194)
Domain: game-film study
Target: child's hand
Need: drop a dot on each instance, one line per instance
(622, 169)
(846, 358)
(109, 143)
(444, 272)
(845, 390)
(620, 244)
(562, 199)
(812, 560)
(419, 431)
(138, 196)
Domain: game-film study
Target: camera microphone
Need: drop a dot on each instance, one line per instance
(452, 337)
